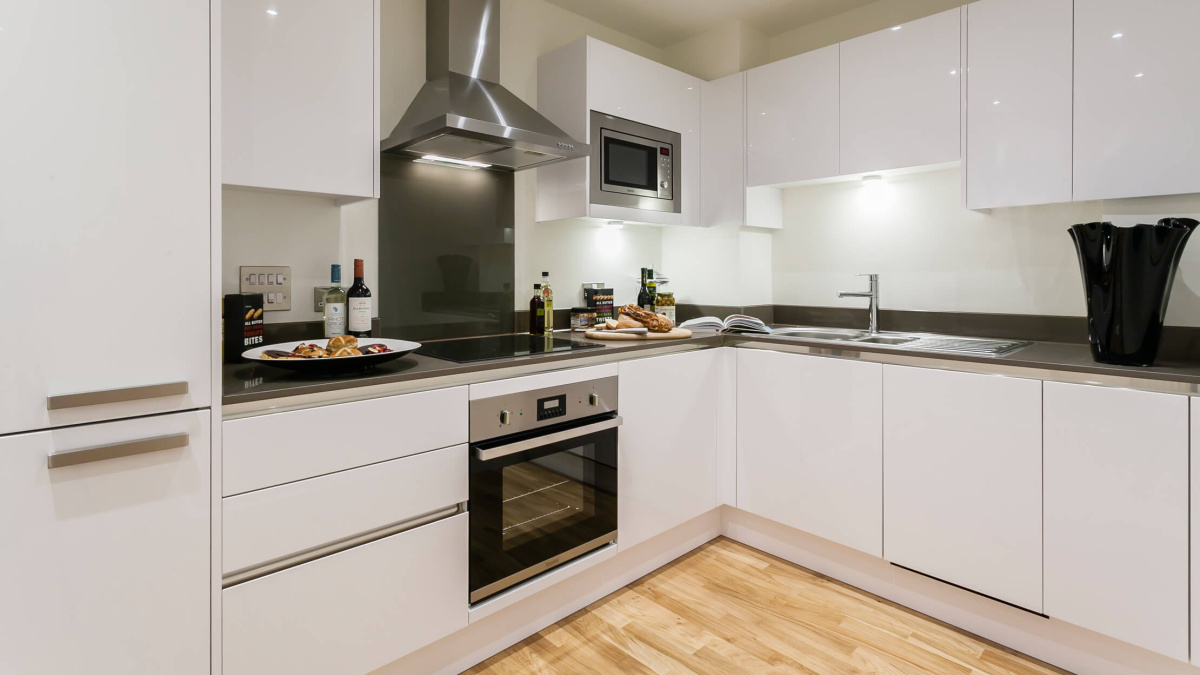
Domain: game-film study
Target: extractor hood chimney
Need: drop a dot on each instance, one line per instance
(461, 112)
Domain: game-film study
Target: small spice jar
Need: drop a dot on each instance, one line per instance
(583, 318)
(664, 303)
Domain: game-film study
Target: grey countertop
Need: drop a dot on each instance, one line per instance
(248, 383)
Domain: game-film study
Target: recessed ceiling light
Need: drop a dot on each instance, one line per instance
(872, 179)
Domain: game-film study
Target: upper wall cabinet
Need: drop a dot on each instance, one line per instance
(1018, 102)
(792, 119)
(900, 96)
(1137, 90)
(722, 151)
(90, 205)
(589, 75)
(299, 107)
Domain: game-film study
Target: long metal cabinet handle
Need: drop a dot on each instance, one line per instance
(531, 443)
(116, 395)
(114, 450)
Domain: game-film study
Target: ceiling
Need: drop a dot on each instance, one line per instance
(665, 22)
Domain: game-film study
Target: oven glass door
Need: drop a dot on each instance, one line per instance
(534, 509)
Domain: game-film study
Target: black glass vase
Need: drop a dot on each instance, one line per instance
(1127, 277)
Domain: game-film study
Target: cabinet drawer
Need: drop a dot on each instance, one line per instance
(269, 524)
(284, 447)
(353, 611)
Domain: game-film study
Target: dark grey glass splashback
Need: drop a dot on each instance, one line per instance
(445, 250)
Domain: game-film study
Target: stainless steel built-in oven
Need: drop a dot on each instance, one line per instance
(634, 165)
(543, 484)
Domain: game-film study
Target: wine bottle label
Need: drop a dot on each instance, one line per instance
(359, 315)
(335, 319)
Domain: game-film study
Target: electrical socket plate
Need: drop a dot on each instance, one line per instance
(275, 284)
(319, 298)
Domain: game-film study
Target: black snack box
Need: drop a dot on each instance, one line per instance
(243, 324)
(601, 300)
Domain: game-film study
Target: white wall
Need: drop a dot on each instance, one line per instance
(306, 232)
(933, 254)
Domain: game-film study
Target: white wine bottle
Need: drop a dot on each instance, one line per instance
(548, 297)
(335, 304)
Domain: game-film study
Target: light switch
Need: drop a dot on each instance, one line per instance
(277, 279)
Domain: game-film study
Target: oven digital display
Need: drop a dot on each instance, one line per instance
(554, 406)
(664, 151)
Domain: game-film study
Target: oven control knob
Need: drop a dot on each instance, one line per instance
(593, 400)
(664, 185)
(505, 417)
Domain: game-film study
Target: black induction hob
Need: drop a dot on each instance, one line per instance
(466, 350)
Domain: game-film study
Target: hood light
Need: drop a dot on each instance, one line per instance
(451, 162)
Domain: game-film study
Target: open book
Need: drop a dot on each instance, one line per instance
(734, 323)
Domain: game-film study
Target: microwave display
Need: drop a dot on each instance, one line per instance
(630, 164)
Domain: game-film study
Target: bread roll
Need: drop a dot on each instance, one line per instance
(342, 341)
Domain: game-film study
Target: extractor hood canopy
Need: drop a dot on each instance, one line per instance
(461, 112)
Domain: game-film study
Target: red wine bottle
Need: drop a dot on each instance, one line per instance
(358, 301)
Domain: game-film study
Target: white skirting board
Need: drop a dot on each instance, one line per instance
(1064, 645)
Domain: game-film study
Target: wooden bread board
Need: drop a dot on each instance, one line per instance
(675, 334)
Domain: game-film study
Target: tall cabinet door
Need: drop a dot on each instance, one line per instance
(792, 119)
(809, 435)
(1136, 97)
(104, 209)
(900, 101)
(1116, 470)
(667, 456)
(105, 566)
(962, 480)
(723, 152)
(1018, 102)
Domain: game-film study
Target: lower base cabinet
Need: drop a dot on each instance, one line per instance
(105, 563)
(1116, 483)
(354, 611)
(810, 445)
(667, 457)
(962, 474)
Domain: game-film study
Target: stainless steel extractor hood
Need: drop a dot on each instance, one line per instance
(461, 112)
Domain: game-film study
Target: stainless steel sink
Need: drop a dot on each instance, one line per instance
(927, 342)
(886, 339)
(821, 333)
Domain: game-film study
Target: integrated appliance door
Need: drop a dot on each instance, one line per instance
(539, 499)
(633, 165)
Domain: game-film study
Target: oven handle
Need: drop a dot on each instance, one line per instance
(539, 441)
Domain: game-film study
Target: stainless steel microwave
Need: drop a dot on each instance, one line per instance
(634, 165)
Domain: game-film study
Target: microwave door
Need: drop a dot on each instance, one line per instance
(630, 167)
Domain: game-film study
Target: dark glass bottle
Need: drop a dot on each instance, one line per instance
(644, 300)
(358, 300)
(651, 289)
(537, 312)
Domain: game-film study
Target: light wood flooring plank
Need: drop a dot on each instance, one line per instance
(728, 608)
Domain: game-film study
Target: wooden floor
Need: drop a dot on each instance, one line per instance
(728, 608)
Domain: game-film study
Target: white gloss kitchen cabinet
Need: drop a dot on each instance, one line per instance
(1116, 513)
(591, 75)
(1018, 125)
(962, 480)
(723, 151)
(106, 188)
(900, 104)
(792, 119)
(1136, 93)
(667, 453)
(299, 82)
(810, 445)
(106, 558)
